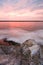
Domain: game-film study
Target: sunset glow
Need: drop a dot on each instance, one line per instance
(23, 25)
(21, 9)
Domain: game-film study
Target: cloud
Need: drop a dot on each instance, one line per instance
(21, 10)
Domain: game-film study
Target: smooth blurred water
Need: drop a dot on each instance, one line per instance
(20, 35)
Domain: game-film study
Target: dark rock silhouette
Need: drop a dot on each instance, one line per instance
(11, 42)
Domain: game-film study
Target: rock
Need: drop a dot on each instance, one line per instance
(30, 45)
(20, 54)
(3, 58)
(7, 49)
(41, 54)
(26, 52)
(41, 51)
(1, 51)
(11, 56)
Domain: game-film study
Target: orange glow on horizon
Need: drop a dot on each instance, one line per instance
(24, 25)
(21, 24)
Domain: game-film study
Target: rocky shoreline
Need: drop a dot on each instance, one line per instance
(27, 53)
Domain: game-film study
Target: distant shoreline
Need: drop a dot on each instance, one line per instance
(21, 20)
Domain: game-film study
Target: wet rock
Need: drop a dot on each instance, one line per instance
(1, 51)
(20, 54)
(10, 56)
(41, 51)
(30, 45)
(41, 54)
(7, 49)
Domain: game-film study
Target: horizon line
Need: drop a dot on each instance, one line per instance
(21, 20)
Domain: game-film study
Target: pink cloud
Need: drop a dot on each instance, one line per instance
(8, 12)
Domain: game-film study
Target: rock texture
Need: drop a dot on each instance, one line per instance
(30, 45)
(10, 55)
(20, 54)
(41, 54)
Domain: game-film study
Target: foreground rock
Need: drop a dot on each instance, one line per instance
(41, 54)
(23, 54)
(30, 45)
(10, 55)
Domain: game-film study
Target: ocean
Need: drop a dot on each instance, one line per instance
(20, 35)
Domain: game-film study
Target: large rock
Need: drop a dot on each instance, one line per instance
(41, 54)
(20, 54)
(10, 56)
(31, 51)
(41, 51)
(7, 49)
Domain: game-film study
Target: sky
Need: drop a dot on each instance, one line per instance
(21, 9)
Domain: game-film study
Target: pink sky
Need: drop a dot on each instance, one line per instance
(21, 10)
